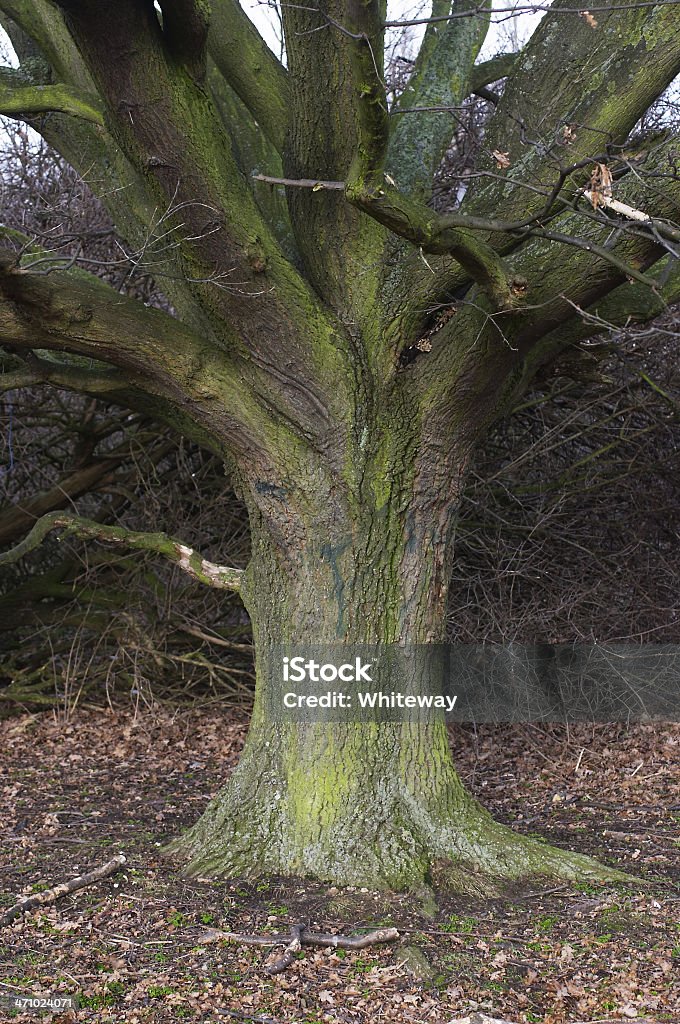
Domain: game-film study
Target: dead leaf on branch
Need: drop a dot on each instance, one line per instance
(502, 159)
(600, 185)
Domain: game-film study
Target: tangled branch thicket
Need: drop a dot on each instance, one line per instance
(569, 527)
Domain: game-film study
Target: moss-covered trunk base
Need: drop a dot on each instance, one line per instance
(386, 824)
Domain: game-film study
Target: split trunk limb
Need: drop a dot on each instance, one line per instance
(289, 953)
(63, 889)
(220, 576)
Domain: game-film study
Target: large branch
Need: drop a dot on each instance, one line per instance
(251, 299)
(48, 54)
(576, 91)
(365, 20)
(568, 298)
(37, 30)
(623, 307)
(45, 307)
(441, 79)
(250, 68)
(461, 236)
(254, 152)
(185, 379)
(19, 517)
(109, 385)
(220, 576)
(337, 118)
(26, 101)
(638, 238)
(435, 234)
(71, 376)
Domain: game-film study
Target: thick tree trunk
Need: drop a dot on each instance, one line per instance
(377, 804)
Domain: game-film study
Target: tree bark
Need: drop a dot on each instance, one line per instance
(359, 803)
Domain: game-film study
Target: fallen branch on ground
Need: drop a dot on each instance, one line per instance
(480, 1018)
(297, 937)
(293, 947)
(63, 889)
(244, 1016)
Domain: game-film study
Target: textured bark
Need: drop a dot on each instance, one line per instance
(370, 804)
(441, 79)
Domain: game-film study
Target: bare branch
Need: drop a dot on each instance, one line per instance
(17, 379)
(289, 953)
(69, 376)
(453, 234)
(529, 8)
(15, 520)
(220, 576)
(316, 184)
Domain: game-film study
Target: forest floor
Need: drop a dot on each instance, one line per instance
(76, 790)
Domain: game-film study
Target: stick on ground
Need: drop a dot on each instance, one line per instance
(63, 889)
(307, 938)
(297, 937)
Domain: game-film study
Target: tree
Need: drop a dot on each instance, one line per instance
(339, 343)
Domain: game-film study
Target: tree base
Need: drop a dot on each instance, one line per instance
(385, 841)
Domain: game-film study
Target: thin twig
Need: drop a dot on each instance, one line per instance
(316, 184)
